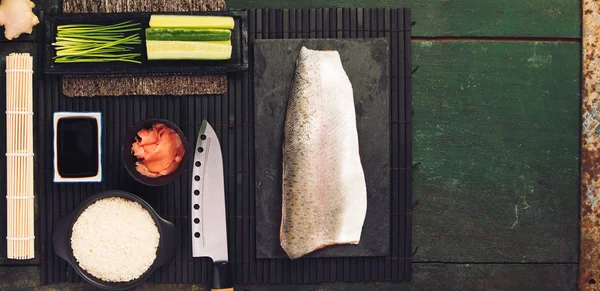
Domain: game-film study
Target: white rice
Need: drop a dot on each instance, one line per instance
(115, 240)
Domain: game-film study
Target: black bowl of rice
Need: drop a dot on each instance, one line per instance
(114, 240)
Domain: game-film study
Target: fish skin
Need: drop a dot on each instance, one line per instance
(324, 191)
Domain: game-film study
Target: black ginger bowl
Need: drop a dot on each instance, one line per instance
(129, 159)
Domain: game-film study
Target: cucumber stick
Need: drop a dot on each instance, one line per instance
(192, 21)
(187, 50)
(187, 34)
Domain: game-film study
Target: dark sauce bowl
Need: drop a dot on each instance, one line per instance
(129, 159)
(64, 228)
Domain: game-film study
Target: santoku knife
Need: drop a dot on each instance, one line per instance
(209, 225)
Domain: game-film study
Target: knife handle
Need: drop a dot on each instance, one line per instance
(221, 277)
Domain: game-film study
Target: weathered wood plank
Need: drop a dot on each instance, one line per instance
(426, 277)
(589, 273)
(18, 278)
(496, 136)
(533, 18)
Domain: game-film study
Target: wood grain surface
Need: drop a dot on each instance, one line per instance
(496, 140)
(463, 211)
(435, 18)
(589, 273)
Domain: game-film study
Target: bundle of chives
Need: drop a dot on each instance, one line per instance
(91, 43)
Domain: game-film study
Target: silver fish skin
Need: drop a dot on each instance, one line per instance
(324, 191)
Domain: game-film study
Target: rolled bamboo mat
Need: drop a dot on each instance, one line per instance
(118, 85)
(19, 157)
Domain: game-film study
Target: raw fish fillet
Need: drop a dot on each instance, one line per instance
(324, 190)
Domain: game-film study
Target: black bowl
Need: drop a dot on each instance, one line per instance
(129, 159)
(64, 229)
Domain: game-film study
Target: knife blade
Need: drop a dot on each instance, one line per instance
(209, 225)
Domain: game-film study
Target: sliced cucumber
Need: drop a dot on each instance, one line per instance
(222, 42)
(192, 21)
(187, 34)
(187, 50)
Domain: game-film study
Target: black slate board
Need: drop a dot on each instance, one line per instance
(232, 115)
(238, 61)
(366, 64)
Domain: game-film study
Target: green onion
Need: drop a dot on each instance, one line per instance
(95, 43)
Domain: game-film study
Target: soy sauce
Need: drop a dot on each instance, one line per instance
(77, 147)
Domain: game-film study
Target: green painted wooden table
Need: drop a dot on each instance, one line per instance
(496, 142)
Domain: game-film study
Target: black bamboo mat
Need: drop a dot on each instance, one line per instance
(232, 115)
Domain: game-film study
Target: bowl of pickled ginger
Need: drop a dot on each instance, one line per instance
(153, 151)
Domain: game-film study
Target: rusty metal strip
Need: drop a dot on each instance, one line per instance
(589, 258)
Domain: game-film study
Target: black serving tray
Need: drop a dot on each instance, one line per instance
(238, 61)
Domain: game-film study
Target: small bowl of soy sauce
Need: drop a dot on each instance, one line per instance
(77, 147)
(130, 160)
